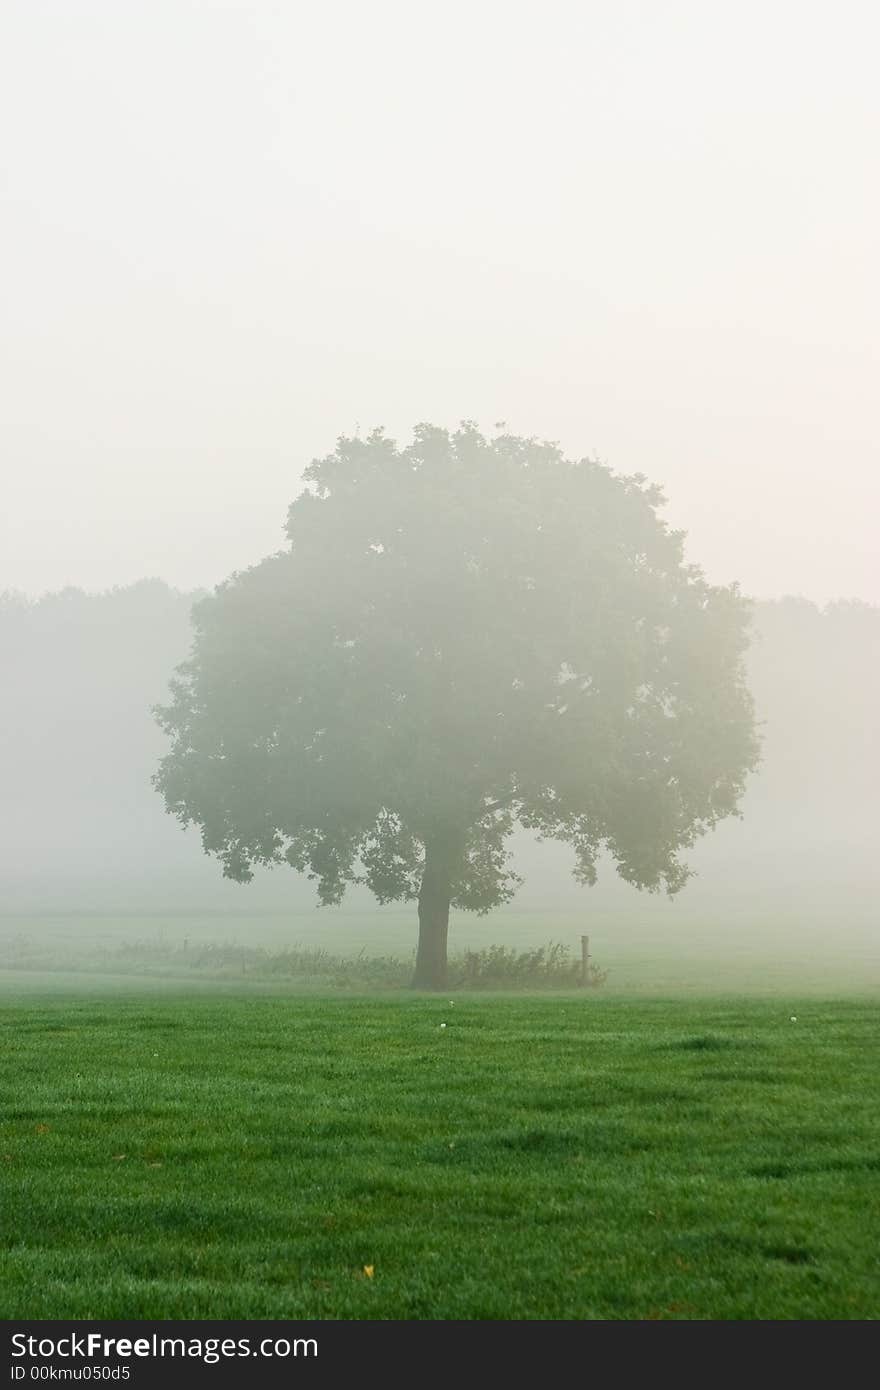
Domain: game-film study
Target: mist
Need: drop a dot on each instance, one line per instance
(85, 835)
(439, 675)
(230, 233)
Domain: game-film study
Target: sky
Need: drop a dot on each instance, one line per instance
(230, 232)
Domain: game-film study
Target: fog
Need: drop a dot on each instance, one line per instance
(439, 666)
(230, 232)
(83, 831)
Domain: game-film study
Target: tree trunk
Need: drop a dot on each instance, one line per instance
(436, 890)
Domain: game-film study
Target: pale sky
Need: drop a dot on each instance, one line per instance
(230, 232)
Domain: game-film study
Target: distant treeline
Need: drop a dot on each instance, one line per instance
(82, 829)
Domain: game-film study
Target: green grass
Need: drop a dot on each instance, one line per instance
(205, 1154)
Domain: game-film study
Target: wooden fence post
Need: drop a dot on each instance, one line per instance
(585, 960)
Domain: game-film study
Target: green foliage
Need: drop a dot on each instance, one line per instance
(497, 967)
(225, 1157)
(463, 634)
(493, 967)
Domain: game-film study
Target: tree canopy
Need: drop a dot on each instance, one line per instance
(463, 634)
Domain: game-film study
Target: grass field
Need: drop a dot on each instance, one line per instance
(655, 954)
(215, 1153)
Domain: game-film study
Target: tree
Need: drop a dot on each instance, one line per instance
(464, 634)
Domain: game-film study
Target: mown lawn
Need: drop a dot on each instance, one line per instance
(187, 1156)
